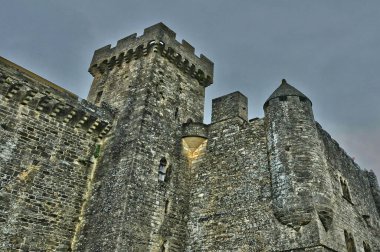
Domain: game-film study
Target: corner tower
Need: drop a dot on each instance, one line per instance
(301, 186)
(140, 190)
(145, 60)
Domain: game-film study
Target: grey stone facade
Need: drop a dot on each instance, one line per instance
(134, 168)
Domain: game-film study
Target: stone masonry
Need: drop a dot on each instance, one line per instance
(134, 168)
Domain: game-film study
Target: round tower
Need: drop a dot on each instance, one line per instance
(300, 181)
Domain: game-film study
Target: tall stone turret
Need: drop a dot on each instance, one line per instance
(140, 191)
(301, 185)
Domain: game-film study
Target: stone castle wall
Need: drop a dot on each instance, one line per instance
(356, 214)
(232, 190)
(48, 141)
(233, 205)
(135, 169)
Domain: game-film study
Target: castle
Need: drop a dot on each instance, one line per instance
(134, 168)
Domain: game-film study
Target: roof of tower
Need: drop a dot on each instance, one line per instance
(156, 38)
(285, 89)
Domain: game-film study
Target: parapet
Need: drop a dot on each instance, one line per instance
(158, 39)
(28, 89)
(229, 106)
(194, 129)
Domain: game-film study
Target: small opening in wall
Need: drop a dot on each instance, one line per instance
(98, 96)
(4, 126)
(168, 174)
(367, 220)
(350, 243)
(283, 98)
(164, 246)
(366, 247)
(244, 108)
(167, 202)
(287, 148)
(345, 190)
(162, 96)
(254, 119)
(302, 99)
(162, 169)
(176, 113)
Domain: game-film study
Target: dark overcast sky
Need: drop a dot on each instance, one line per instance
(328, 49)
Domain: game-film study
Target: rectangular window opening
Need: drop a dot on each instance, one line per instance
(283, 98)
(98, 96)
(302, 99)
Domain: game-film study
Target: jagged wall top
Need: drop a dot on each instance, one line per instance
(162, 38)
(20, 86)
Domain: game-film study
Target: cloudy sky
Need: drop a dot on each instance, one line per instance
(330, 50)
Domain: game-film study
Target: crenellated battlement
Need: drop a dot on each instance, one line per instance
(157, 39)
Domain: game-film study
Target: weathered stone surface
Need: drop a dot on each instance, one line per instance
(134, 168)
(47, 140)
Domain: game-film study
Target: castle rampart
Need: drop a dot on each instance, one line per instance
(134, 168)
(47, 142)
(158, 39)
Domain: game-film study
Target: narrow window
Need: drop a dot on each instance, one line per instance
(176, 113)
(350, 244)
(283, 98)
(366, 247)
(345, 190)
(367, 220)
(162, 169)
(302, 99)
(167, 202)
(164, 246)
(98, 96)
(168, 174)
